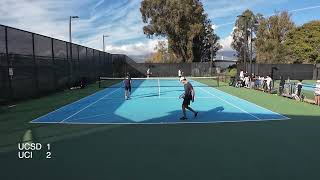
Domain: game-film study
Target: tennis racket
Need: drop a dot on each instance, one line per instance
(181, 96)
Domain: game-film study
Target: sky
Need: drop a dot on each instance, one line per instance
(121, 19)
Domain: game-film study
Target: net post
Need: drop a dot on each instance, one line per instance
(99, 82)
(218, 80)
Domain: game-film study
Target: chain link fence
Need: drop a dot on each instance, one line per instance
(292, 71)
(162, 69)
(33, 64)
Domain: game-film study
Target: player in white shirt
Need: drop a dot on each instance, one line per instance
(246, 81)
(148, 73)
(317, 93)
(241, 75)
(269, 83)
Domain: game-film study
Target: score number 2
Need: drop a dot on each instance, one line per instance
(48, 152)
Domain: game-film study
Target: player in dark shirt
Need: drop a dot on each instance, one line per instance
(299, 88)
(297, 95)
(281, 86)
(127, 86)
(188, 96)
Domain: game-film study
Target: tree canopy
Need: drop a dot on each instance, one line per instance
(185, 25)
(304, 43)
(271, 35)
(241, 33)
(162, 54)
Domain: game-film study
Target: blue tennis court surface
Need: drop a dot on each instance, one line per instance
(156, 102)
(309, 87)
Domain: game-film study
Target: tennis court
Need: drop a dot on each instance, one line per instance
(156, 101)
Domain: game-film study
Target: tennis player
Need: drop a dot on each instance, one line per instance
(127, 87)
(188, 96)
(148, 73)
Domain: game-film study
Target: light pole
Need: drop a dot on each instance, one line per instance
(70, 54)
(70, 19)
(104, 48)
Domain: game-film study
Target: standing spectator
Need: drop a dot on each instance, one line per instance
(179, 73)
(256, 82)
(281, 86)
(261, 82)
(148, 73)
(252, 81)
(241, 76)
(269, 83)
(317, 93)
(246, 81)
(297, 94)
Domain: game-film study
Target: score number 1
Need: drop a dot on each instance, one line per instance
(48, 154)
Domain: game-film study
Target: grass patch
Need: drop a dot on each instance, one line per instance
(270, 101)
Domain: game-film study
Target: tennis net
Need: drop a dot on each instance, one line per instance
(108, 82)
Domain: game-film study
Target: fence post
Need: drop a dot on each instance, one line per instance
(104, 64)
(316, 70)
(78, 65)
(35, 67)
(69, 65)
(112, 65)
(318, 74)
(9, 65)
(87, 66)
(55, 83)
(93, 72)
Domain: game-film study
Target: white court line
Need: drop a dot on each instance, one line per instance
(254, 104)
(162, 97)
(230, 103)
(284, 117)
(88, 117)
(171, 123)
(90, 105)
(68, 105)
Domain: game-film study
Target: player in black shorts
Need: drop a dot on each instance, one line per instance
(127, 87)
(188, 96)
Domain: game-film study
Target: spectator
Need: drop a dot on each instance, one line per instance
(246, 81)
(297, 94)
(268, 84)
(257, 82)
(232, 81)
(252, 81)
(241, 76)
(261, 82)
(317, 93)
(281, 86)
